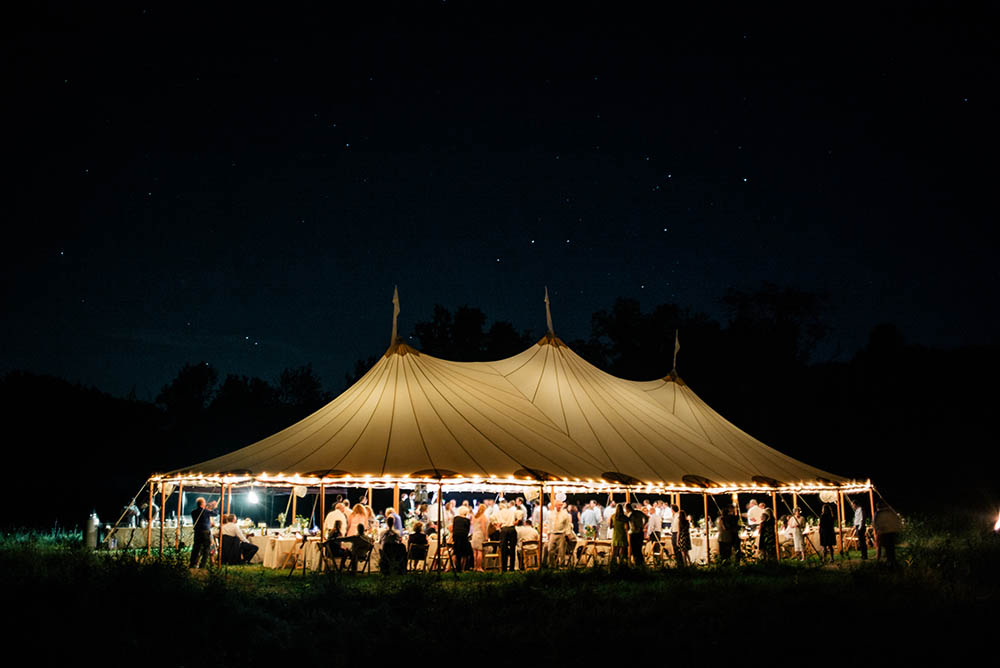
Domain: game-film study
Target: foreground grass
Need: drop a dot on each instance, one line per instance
(946, 590)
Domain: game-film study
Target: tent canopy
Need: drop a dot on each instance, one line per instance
(544, 414)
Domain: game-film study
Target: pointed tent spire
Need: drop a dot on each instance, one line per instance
(395, 313)
(548, 313)
(677, 348)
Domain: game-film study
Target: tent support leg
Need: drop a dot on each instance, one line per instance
(222, 499)
(774, 515)
(180, 509)
(840, 520)
(149, 524)
(440, 517)
(708, 526)
(163, 514)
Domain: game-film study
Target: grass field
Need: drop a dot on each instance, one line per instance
(941, 599)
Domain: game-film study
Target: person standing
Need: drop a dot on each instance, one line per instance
(619, 536)
(508, 537)
(636, 531)
(766, 540)
(827, 536)
(460, 529)
(201, 517)
(683, 537)
(859, 528)
(796, 523)
(480, 528)
(729, 535)
(561, 529)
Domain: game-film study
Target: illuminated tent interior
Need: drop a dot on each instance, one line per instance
(545, 415)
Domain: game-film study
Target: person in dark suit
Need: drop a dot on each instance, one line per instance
(461, 527)
(202, 518)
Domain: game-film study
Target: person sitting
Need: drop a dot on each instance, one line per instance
(333, 547)
(417, 545)
(237, 549)
(392, 557)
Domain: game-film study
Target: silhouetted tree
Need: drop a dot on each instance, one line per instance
(189, 394)
(301, 389)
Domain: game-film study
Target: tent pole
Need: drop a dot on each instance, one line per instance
(163, 514)
(440, 552)
(222, 499)
(149, 524)
(180, 509)
(708, 541)
(395, 498)
(840, 520)
(774, 515)
(871, 504)
(295, 503)
(322, 514)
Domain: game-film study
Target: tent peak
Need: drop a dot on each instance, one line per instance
(400, 348)
(551, 339)
(672, 377)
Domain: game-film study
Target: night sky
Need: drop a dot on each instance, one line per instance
(246, 187)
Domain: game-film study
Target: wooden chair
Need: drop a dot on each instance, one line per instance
(530, 550)
(438, 560)
(491, 555)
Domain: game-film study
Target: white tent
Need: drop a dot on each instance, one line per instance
(544, 414)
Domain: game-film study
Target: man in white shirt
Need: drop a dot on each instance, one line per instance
(754, 515)
(247, 550)
(589, 518)
(508, 537)
(561, 533)
(524, 532)
(609, 512)
(335, 515)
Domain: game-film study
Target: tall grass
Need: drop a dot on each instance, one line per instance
(116, 603)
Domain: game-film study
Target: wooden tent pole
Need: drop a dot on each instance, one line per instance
(708, 542)
(163, 514)
(774, 517)
(395, 498)
(295, 504)
(322, 516)
(180, 509)
(840, 520)
(440, 552)
(149, 524)
(871, 504)
(222, 499)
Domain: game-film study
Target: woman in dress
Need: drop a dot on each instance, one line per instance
(619, 535)
(479, 529)
(796, 523)
(358, 516)
(827, 539)
(683, 539)
(766, 549)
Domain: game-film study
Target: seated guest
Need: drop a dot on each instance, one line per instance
(392, 558)
(524, 532)
(245, 550)
(334, 548)
(417, 543)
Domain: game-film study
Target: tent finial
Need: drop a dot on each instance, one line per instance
(548, 313)
(677, 347)
(395, 313)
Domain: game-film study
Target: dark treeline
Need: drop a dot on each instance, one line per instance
(912, 418)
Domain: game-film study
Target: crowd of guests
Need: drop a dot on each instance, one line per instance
(634, 530)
